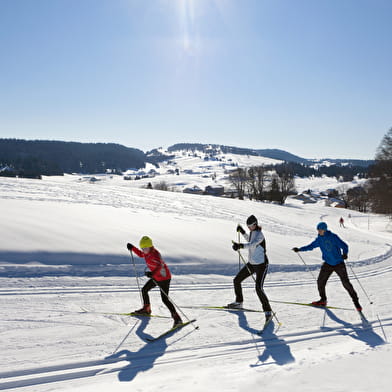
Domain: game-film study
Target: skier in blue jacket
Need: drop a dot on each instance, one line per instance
(334, 252)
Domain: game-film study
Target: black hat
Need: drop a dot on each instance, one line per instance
(252, 220)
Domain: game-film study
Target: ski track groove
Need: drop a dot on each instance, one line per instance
(84, 369)
(381, 270)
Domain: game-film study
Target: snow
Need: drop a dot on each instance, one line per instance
(206, 170)
(63, 249)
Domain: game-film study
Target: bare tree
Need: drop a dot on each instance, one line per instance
(238, 180)
(357, 198)
(162, 186)
(380, 190)
(256, 182)
(285, 183)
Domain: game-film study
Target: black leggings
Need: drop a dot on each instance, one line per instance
(326, 271)
(246, 271)
(164, 287)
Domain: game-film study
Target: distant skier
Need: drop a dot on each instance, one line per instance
(334, 252)
(159, 274)
(341, 222)
(257, 263)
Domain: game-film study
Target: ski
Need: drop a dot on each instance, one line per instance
(311, 305)
(223, 308)
(132, 314)
(178, 326)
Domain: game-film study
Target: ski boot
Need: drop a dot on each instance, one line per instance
(235, 305)
(177, 320)
(268, 316)
(321, 302)
(145, 310)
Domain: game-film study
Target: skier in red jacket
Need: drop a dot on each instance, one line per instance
(158, 273)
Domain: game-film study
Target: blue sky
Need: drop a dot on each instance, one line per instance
(312, 77)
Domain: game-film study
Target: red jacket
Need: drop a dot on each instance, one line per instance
(155, 263)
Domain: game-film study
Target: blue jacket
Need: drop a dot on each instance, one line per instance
(331, 247)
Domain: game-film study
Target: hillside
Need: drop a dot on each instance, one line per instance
(64, 271)
(33, 158)
(276, 154)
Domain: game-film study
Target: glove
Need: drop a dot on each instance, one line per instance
(129, 246)
(240, 229)
(237, 246)
(148, 274)
(344, 255)
(296, 249)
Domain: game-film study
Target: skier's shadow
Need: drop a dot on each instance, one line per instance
(143, 359)
(274, 347)
(364, 333)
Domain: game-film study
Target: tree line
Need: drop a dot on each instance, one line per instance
(276, 182)
(272, 182)
(262, 183)
(376, 194)
(32, 159)
(379, 188)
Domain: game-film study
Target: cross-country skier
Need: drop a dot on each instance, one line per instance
(257, 263)
(158, 273)
(334, 252)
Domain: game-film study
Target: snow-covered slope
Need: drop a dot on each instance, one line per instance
(63, 249)
(187, 168)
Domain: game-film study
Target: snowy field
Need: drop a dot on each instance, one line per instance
(62, 251)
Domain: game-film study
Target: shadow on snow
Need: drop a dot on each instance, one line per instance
(41, 264)
(143, 359)
(274, 347)
(364, 332)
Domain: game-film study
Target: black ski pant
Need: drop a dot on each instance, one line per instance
(326, 271)
(164, 285)
(245, 272)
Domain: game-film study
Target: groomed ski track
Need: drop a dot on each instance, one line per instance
(244, 349)
(49, 344)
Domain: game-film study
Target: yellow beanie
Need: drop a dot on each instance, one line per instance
(145, 242)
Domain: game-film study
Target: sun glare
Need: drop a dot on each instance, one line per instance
(187, 24)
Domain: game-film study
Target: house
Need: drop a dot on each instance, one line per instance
(195, 190)
(333, 202)
(306, 198)
(216, 190)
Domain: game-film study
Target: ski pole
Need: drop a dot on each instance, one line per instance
(254, 279)
(307, 267)
(239, 256)
(137, 278)
(246, 265)
(179, 309)
(371, 302)
(356, 277)
(125, 338)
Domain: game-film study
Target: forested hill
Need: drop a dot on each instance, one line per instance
(268, 153)
(32, 158)
(280, 155)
